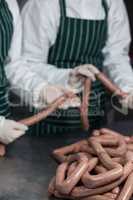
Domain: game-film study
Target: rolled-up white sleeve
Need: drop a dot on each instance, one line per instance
(117, 63)
(40, 25)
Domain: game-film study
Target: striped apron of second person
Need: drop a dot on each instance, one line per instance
(6, 32)
(79, 41)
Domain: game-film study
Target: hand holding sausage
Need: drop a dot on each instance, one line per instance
(79, 74)
(49, 94)
(10, 130)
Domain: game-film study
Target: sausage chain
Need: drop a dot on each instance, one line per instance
(97, 168)
(84, 106)
(46, 112)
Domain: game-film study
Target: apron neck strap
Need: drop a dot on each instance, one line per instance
(63, 8)
(104, 3)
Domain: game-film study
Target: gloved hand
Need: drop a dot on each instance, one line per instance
(81, 72)
(50, 93)
(127, 102)
(10, 130)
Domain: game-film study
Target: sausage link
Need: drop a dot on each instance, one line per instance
(102, 154)
(130, 147)
(111, 195)
(127, 190)
(85, 104)
(100, 169)
(71, 168)
(51, 187)
(61, 196)
(130, 140)
(46, 112)
(2, 150)
(105, 141)
(129, 156)
(109, 85)
(110, 132)
(116, 190)
(120, 151)
(106, 131)
(86, 148)
(121, 160)
(81, 191)
(96, 197)
(61, 154)
(109, 142)
(64, 186)
(74, 164)
(94, 181)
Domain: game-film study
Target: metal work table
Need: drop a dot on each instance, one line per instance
(27, 168)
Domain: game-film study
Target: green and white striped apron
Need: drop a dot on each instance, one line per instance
(79, 41)
(6, 32)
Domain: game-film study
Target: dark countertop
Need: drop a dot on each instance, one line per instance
(27, 169)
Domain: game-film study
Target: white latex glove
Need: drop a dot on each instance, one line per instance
(78, 74)
(127, 102)
(50, 93)
(10, 130)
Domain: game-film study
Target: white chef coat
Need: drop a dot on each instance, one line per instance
(41, 19)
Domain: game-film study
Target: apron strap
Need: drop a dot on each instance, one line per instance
(63, 8)
(104, 3)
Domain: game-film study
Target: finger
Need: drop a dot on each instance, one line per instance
(19, 126)
(93, 69)
(88, 74)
